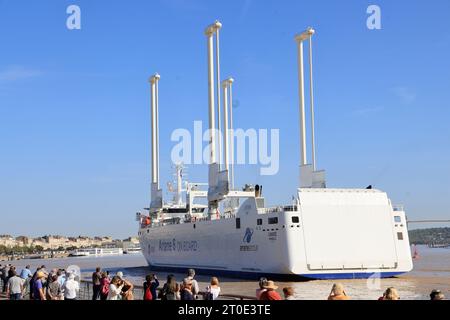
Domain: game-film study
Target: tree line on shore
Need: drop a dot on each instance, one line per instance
(23, 250)
(430, 236)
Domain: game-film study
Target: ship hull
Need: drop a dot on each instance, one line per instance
(344, 234)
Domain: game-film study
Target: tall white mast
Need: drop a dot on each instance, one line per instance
(225, 124)
(231, 133)
(301, 89)
(310, 177)
(219, 111)
(154, 119)
(209, 32)
(156, 194)
(157, 126)
(226, 86)
(311, 93)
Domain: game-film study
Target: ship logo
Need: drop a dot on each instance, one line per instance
(248, 235)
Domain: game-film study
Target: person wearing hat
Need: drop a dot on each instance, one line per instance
(437, 295)
(270, 293)
(38, 287)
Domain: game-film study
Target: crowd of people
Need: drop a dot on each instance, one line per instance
(188, 289)
(267, 291)
(40, 285)
(58, 284)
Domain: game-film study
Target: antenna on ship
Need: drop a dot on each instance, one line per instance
(156, 192)
(309, 176)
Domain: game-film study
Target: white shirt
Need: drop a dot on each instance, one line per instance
(114, 292)
(15, 285)
(215, 292)
(71, 288)
(195, 288)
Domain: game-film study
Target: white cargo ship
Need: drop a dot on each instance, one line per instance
(324, 234)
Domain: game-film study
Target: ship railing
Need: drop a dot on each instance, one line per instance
(291, 208)
(192, 220)
(270, 210)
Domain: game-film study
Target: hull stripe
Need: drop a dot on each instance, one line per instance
(278, 276)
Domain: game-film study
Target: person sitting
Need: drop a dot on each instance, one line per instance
(270, 293)
(338, 292)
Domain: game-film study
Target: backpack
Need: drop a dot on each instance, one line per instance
(105, 289)
(148, 294)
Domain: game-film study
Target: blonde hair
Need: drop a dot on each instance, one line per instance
(391, 294)
(338, 289)
(214, 281)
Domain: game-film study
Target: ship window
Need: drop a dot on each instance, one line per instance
(397, 219)
(295, 219)
(399, 235)
(259, 222)
(273, 220)
(238, 223)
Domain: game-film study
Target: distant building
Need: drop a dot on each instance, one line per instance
(7, 241)
(53, 242)
(23, 241)
(131, 242)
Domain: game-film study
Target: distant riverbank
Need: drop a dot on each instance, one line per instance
(41, 255)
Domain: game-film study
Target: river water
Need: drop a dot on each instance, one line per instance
(431, 271)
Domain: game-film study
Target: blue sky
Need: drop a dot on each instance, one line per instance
(74, 104)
